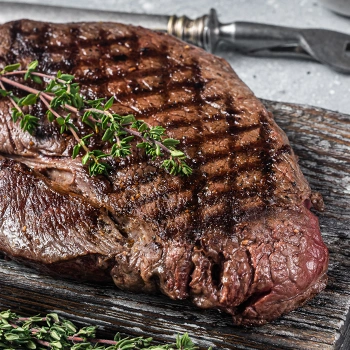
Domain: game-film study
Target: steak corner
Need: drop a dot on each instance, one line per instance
(238, 235)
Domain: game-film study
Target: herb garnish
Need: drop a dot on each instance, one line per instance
(62, 95)
(53, 332)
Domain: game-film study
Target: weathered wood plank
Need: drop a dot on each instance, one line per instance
(322, 141)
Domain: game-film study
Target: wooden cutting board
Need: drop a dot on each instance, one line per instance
(321, 139)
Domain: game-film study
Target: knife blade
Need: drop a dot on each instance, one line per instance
(325, 46)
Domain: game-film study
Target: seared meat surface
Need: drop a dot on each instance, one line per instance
(238, 235)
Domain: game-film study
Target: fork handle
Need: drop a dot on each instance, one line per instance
(250, 37)
(207, 32)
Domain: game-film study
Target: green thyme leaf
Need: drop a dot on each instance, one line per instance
(142, 145)
(76, 151)
(29, 100)
(31, 67)
(143, 127)
(95, 103)
(50, 116)
(16, 114)
(176, 153)
(55, 335)
(85, 159)
(4, 93)
(108, 135)
(56, 345)
(29, 123)
(170, 143)
(11, 67)
(50, 86)
(60, 121)
(11, 337)
(87, 121)
(127, 119)
(79, 101)
(70, 327)
(86, 137)
(36, 79)
(98, 168)
(128, 139)
(158, 152)
(184, 342)
(66, 77)
(109, 104)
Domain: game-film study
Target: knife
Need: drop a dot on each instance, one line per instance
(328, 47)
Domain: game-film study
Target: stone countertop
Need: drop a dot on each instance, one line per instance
(278, 79)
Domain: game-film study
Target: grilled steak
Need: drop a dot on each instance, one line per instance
(238, 235)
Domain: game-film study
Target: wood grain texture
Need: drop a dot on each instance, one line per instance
(321, 139)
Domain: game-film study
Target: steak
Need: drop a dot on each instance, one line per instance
(237, 235)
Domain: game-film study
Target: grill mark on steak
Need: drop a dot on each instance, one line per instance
(197, 84)
(165, 86)
(14, 32)
(220, 237)
(73, 50)
(267, 160)
(232, 176)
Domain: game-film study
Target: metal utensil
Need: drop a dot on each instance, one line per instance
(328, 47)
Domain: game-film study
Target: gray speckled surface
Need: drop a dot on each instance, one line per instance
(280, 79)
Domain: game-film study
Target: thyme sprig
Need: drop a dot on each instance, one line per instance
(54, 332)
(62, 99)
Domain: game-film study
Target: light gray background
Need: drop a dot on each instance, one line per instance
(275, 79)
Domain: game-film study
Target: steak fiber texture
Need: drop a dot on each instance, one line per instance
(238, 235)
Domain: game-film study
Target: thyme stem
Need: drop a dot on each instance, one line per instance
(63, 95)
(38, 74)
(34, 91)
(130, 131)
(19, 85)
(73, 132)
(78, 139)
